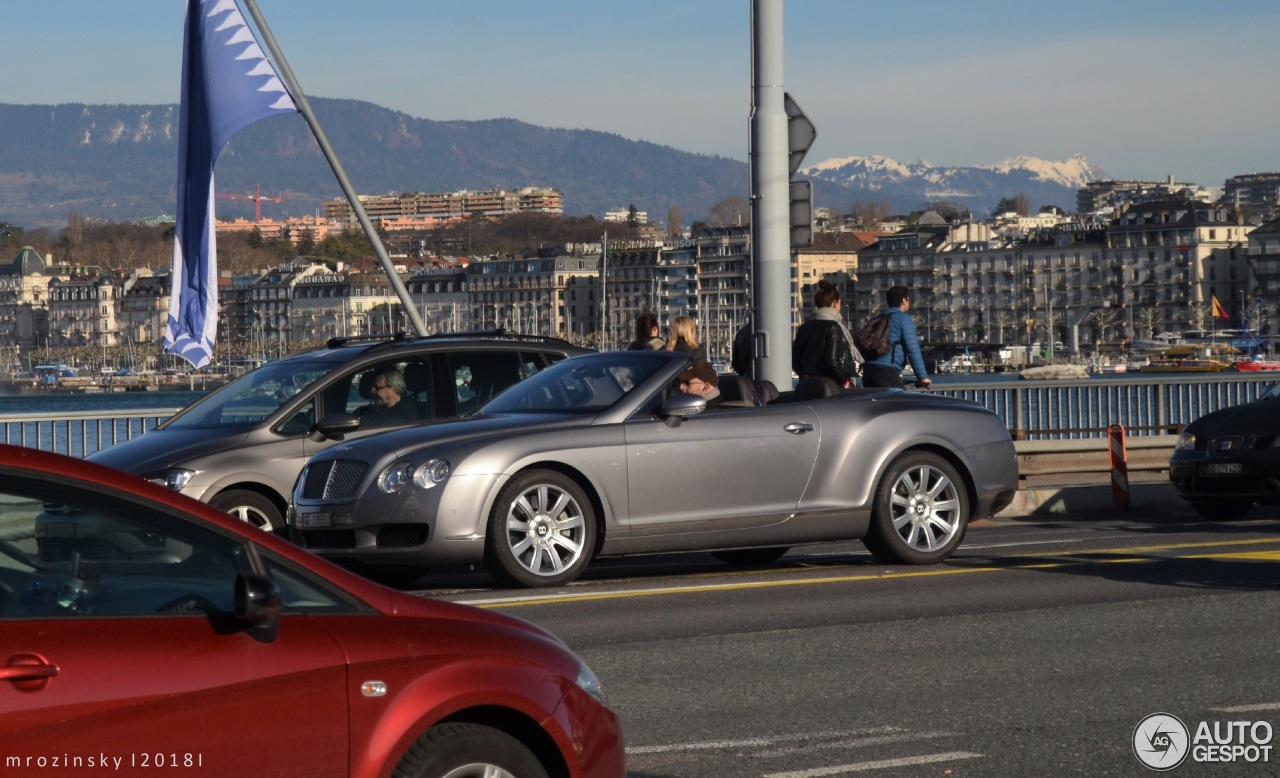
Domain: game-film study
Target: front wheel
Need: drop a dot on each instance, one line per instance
(542, 531)
(1223, 510)
(468, 751)
(920, 513)
(251, 508)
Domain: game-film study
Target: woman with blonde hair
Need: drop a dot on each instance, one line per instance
(682, 335)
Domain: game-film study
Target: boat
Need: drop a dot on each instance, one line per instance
(1158, 342)
(1192, 358)
(1045, 372)
(1185, 366)
(1254, 364)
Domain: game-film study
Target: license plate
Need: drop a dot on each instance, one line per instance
(315, 520)
(1222, 468)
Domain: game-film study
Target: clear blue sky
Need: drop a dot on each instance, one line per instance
(1142, 88)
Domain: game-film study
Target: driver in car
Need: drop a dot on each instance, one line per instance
(701, 379)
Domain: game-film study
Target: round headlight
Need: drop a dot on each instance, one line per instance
(431, 473)
(395, 478)
(1186, 442)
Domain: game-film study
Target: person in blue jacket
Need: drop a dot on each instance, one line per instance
(904, 346)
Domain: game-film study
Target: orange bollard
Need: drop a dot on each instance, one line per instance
(1119, 466)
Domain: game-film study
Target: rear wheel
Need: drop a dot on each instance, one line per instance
(750, 557)
(542, 531)
(1223, 510)
(468, 751)
(251, 508)
(920, 513)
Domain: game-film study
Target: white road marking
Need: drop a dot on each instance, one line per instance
(717, 745)
(1249, 708)
(881, 764)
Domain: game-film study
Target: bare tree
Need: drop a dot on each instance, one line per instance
(1197, 312)
(732, 211)
(951, 323)
(1018, 204)
(870, 214)
(1149, 317)
(1002, 319)
(675, 229)
(1104, 319)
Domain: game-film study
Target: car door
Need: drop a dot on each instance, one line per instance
(119, 652)
(725, 468)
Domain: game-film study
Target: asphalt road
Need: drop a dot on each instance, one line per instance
(1037, 650)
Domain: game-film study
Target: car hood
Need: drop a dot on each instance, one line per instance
(1261, 417)
(476, 429)
(163, 448)
(423, 607)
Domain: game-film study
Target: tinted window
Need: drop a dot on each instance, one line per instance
(69, 553)
(479, 376)
(252, 397)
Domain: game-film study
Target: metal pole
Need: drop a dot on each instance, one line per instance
(770, 198)
(304, 107)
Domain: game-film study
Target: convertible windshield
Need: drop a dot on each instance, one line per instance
(587, 384)
(252, 397)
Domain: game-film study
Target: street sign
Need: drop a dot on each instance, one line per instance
(800, 133)
(801, 213)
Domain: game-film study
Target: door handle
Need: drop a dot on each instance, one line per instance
(799, 427)
(28, 672)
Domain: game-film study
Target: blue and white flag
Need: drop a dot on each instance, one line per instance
(227, 84)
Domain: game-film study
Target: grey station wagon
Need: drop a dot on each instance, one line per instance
(241, 448)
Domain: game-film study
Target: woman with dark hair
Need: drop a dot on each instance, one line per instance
(646, 334)
(823, 345)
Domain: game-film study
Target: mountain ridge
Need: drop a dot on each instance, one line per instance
(118, 162)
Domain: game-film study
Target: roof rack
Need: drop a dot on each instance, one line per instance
(401, 336)
(344, 340)
(500, 332)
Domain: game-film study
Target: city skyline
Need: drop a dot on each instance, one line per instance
(1170, 88)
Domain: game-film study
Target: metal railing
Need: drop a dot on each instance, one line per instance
(1076, 409)
(1147, 404)
(79, 434)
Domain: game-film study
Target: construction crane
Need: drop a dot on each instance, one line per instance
(257, 199)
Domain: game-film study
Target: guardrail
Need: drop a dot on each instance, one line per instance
(79, 434)
(1147, 404)
(1058, 426)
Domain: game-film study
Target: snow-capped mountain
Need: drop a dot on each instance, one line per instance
(911, 186)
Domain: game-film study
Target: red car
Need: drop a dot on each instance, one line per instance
(144, 629)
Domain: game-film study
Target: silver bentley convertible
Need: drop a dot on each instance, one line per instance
(602, 455)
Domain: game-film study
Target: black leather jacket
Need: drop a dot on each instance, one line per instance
(820, 348)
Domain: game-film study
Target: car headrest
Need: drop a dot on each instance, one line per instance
(767, 391)
(737, 389)
(366, 386)
(417, 377)
(816, 387)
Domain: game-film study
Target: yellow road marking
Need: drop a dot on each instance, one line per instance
(1054, 559)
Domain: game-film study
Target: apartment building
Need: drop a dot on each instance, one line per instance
(448, 205)
(544, 295)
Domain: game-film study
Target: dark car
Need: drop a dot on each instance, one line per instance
(1227, 461)
(241, 448)
(143, 629)
(603, 455)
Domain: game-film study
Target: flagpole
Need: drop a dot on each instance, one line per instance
(304, 107)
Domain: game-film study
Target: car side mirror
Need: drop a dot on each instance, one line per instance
(259, 605)
(335, 426)
(680, 405)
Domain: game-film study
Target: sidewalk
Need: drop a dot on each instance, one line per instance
(1080, 495)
